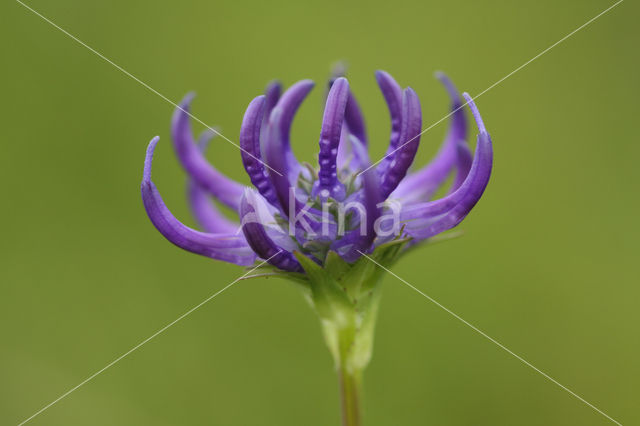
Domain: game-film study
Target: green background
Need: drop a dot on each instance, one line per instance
(548, 264)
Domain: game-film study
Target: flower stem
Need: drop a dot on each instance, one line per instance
(349, 395)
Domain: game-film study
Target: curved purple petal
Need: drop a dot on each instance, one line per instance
(250, 144)
(392, 93)
(441, 215)
(276, 160)
(418, 213)
(409, 142)
(455, 215)
(421, 185)
(204, 211)
(258, 239)
(353, 116)
(328, 184)
(228, 247)
(289, 104)
(224, 189)
(272, 96)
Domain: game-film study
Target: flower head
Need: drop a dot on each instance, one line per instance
(345, 205)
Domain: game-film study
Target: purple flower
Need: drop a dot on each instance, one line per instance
(344, 205)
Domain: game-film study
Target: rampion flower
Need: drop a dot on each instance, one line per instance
(316, 224)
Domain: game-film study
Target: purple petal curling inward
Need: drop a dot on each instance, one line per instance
(275, 145)
(353, 138)
(258, 239)
(328, 184)
(204, 211)
(354, 131)
(288, 105)
(409, 142)
(227, 247)
(425, 220)
(421, 185)
(416, 214)
(353, 117)
(227, 191)
(272, 96)
(250, 132)
(392, 93)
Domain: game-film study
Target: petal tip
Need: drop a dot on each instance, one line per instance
(341, 81)
(206, 136)
(381, 74)
(307, 82)
(146, 175)
(475, 112)
(449, 86)
(187, 99)
(257, 99)
(181, 113)
(408, 91)
(273, 91)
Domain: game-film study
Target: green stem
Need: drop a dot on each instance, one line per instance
(349, 395)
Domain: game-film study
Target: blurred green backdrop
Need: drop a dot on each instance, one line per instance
(548, 264)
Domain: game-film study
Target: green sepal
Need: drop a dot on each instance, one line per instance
(346, 298)
(327, 294)
(336, 266)
(365, 274)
